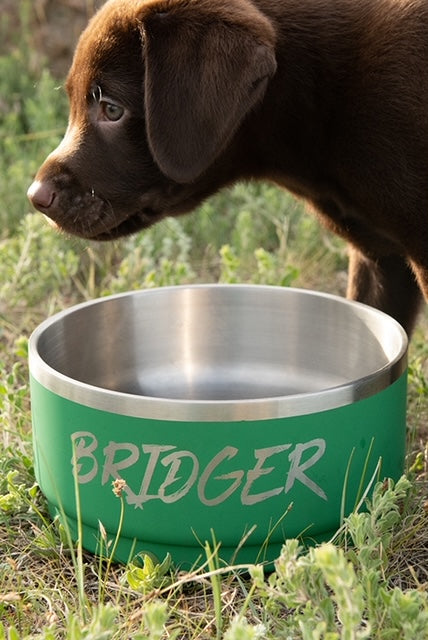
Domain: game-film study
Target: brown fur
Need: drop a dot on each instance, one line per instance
(328, 98)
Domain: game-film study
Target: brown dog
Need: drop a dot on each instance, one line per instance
(170, 100)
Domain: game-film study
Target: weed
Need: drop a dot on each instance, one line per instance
(331, 592)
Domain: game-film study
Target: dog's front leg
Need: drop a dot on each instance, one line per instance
(387, 283)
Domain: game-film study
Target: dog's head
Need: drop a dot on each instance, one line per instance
(158, 90)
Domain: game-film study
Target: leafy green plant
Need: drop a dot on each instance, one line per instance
(31, 247)
(152, 258)
(144, 575)
(418, 377)
(343, 593)
(17, 495)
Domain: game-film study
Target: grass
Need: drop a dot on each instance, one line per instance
(370, 581)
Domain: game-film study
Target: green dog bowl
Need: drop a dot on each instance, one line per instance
(248, 413)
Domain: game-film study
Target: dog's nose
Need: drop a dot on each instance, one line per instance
(41, 194)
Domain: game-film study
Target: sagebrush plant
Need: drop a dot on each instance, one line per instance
(369, 581)
(347, 592)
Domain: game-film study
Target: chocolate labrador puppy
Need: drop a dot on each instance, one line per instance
(170, 100)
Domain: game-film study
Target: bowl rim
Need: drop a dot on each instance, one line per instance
(185, 410)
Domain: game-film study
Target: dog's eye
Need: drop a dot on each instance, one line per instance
(110, 111)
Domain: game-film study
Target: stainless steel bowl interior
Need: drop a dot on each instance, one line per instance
(218, 344)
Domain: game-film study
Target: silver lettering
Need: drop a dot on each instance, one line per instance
(252, 475)
(225, 454)
(81, 450)
(297, 470)
(175, 459)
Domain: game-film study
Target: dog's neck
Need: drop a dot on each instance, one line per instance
(317, 60)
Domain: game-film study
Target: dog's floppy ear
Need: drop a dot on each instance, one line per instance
(204, 71)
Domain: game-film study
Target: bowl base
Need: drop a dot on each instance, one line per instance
(184, 558)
